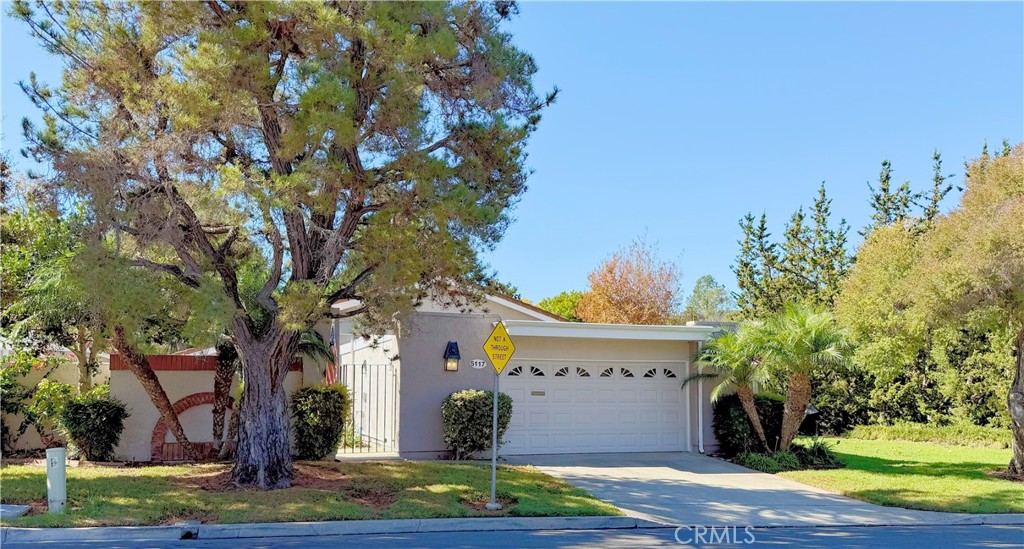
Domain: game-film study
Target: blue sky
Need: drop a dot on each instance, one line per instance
(675, 119)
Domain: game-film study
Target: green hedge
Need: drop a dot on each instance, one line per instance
(468, 416)
(956, 435)
(93, 423)
(733, 429)
(320, 415)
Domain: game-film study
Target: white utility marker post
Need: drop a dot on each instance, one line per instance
(56, 479)
(499, 349)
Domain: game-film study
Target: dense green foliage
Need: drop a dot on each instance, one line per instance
(733, 429)
(957, 434)
(93, 423)
(563, 305)
(935, 304)
(320, 414)
(468, 416)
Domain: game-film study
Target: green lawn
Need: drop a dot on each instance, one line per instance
(919, 475)
(323, 491)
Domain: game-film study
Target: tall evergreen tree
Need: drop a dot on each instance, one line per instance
(796, 277)
(757, 270)
(829, 259)
(889, 204)
(807, 266)
(938, 191)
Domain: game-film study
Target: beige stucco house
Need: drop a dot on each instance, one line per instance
(576, 387)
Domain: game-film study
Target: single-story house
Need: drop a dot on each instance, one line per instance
(576, 387)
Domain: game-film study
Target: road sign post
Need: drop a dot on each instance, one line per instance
(499, 349)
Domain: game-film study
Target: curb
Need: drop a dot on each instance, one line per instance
(404, 526)
(309, 529)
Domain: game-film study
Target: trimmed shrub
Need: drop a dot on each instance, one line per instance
(93, 423)
(468, 416)
(817, 455)
(960, 434)
(769, 463)
(320, 415)
(733, 429)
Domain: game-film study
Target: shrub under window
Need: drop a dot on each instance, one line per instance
(468, 416)
(320, 414)
(93, 423)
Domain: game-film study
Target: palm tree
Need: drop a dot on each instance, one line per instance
(797, 342)
(737, 359)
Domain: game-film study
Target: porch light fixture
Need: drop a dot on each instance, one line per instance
(451, 357)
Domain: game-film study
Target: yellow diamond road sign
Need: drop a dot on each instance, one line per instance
(499, 347)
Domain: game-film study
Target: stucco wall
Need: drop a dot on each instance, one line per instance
(426, 384)
(197, 421)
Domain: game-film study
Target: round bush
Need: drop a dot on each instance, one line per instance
(320, 414)
(93, 423)
(468, 416)
(733, 429)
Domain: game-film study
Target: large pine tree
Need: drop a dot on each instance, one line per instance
(345, 150)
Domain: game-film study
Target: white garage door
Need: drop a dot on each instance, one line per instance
(587, 408)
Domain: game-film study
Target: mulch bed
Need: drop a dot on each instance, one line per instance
(309, 477)
(306, 476)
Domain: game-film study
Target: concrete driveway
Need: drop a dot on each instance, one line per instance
(691, 489)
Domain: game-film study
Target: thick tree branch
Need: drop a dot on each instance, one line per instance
(173, 270)
(349, 290)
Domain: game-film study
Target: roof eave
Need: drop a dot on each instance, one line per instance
(585, 330)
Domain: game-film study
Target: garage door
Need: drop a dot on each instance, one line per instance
(587, 408)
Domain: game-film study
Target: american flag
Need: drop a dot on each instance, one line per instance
(331, 375)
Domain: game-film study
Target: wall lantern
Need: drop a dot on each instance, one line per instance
(451, 357)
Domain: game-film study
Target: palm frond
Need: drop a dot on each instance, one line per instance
(312, 345)
(697, 377)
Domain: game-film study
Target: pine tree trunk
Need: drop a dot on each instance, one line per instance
(263, 457)
(798, 396)
(226, 358)
(746, 395)
(1015, 401)
(139, 365)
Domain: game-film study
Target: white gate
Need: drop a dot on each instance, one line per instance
(373, 408)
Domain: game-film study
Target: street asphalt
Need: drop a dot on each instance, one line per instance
(923, 537)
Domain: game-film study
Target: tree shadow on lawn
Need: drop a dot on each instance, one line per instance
(962, 469)
(1007, 500)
